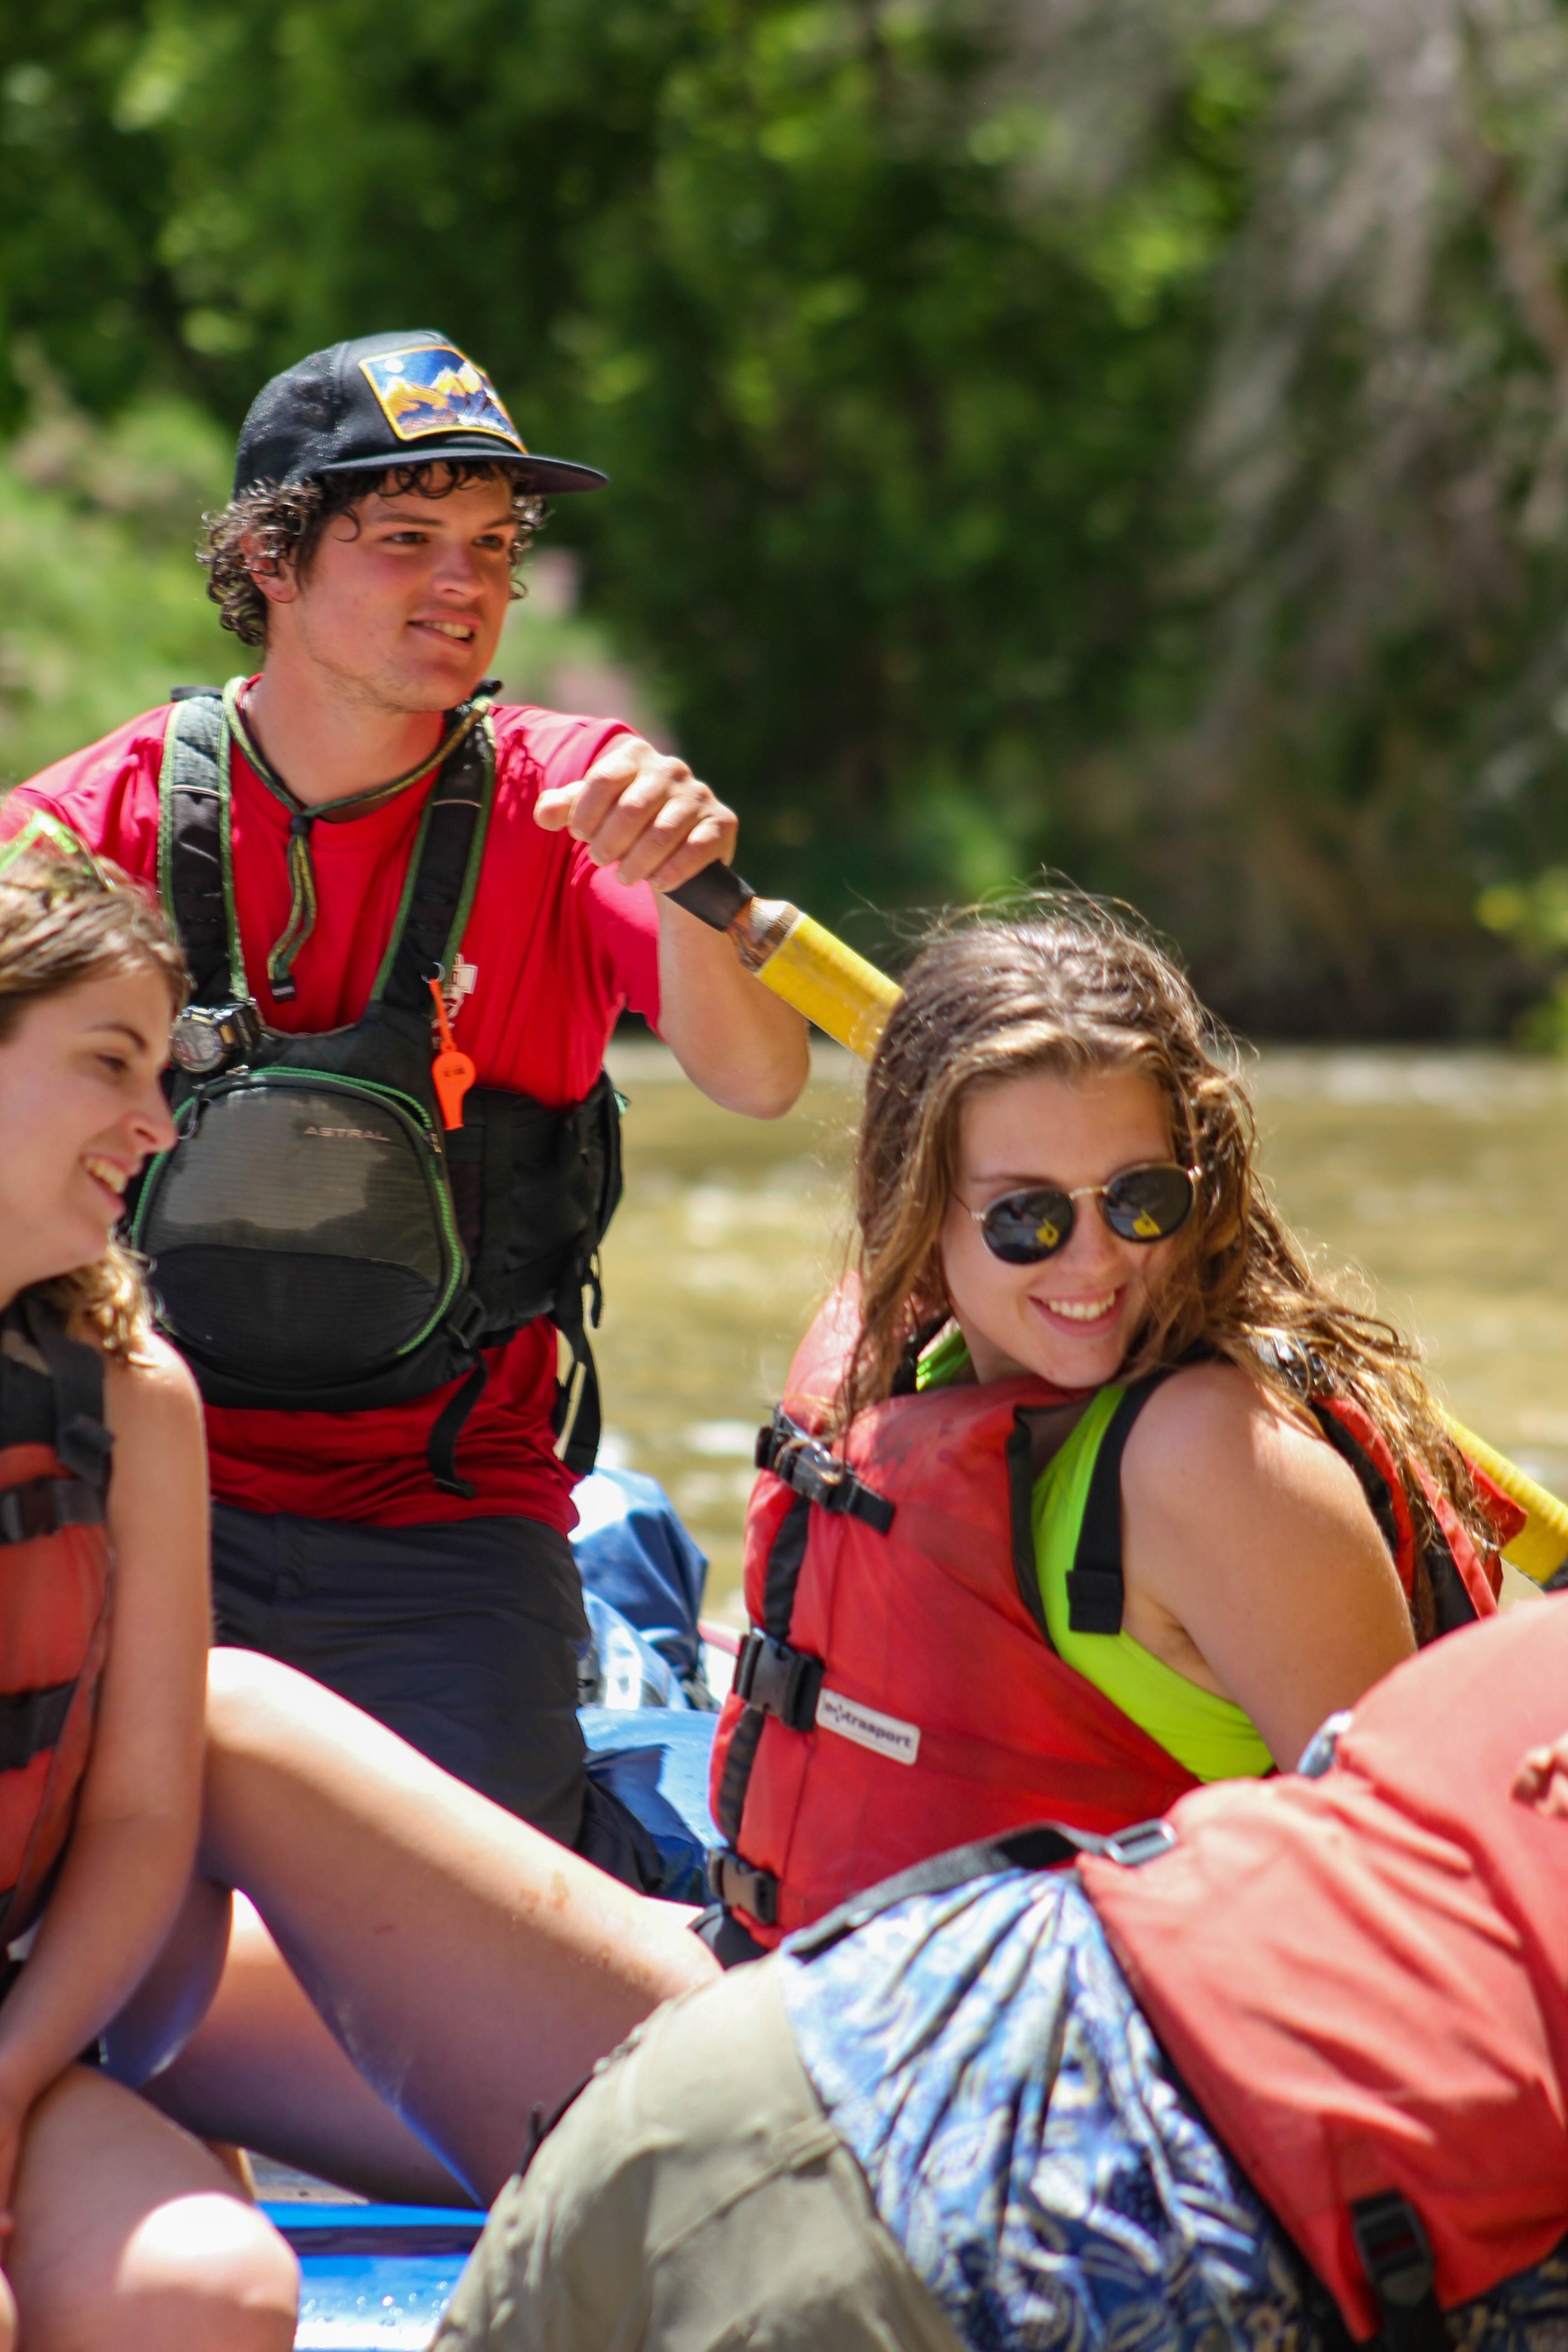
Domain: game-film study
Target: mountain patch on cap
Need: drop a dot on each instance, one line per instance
(434, 388)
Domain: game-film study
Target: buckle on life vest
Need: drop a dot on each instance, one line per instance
(1132, 1847)
(46, 1505)
(465, 1318)
(1396, 2256)
(781, 1681)
(809, 1469)
(742, 1886)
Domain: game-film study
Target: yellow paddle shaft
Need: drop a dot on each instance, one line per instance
(799, 961)
(1541, 1545)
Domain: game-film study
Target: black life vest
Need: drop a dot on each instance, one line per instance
(321, 1243)
(55, 1574)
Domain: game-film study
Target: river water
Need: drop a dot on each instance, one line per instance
(1443, 1177)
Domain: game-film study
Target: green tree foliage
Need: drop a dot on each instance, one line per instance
(101, 607)
(1125, 433)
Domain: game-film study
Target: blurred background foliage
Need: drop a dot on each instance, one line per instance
(1130, 435)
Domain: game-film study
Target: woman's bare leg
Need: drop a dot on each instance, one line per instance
(262, 2068)
(471, 1969)
(130, 2238)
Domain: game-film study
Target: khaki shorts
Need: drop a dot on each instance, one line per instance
(695, 2197)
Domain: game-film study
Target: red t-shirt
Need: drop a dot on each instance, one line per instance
(554, 947)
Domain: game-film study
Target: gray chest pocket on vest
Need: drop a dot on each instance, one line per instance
(300, 1231)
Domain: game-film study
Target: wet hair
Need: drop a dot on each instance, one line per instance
(67, 919)
(275, 524)
(1071, 986)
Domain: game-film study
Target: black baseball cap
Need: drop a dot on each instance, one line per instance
(387, 400)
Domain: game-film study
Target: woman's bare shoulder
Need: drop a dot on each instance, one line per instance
(1216, 1420)
(153, 1387)
(1214, 1438)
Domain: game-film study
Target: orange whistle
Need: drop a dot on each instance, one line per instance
(453, 1072)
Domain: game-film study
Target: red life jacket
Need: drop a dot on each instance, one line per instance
(54, 1573)
(1363, 1979)
(898, 1694)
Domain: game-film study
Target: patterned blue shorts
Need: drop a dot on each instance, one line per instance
(1031, 2150)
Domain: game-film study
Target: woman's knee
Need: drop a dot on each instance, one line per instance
(204, 2271)
(129, 2236)
(194, 2273)
(246, 1693)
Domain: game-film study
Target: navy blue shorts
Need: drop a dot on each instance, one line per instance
(462, 1638)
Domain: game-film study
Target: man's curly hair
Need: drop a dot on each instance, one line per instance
(284, 524)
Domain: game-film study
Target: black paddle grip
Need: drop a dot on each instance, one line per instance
(715, 896)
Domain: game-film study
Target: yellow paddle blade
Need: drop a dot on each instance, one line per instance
(1541, 1545)
(833, 986)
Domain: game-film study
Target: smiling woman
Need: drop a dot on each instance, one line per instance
(1088, 1487)
(81, 1111)
(87, 980)
(1109, 1132)
(118, 2229)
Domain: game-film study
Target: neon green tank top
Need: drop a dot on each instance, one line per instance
(1212, 1737)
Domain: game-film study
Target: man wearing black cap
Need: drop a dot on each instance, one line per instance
(412, 920)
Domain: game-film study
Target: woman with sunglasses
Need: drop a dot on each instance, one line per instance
(1087, 1486)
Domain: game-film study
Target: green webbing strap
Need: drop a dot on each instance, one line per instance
(301, 820)
(193, 864)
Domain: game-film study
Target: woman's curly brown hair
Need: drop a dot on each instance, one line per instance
(276, 524)
(1071, 987)
(67, 918)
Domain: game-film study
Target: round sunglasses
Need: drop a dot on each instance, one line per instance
(1142, 1205)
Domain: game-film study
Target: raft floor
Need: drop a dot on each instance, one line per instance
(373, 2276)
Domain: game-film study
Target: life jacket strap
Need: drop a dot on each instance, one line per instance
(193, 825)
(31, 1721)
(772, 1677)
(441, 1446)
(1451, 1603)
(1094, 1581)
(44, 1505)
(807, 1469)
(1045, 1845)
(1396, 2256)
(82, 1443)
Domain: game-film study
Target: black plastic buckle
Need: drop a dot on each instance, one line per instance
(740, 1887)
(808, 1468)
(1396, 2256)
(1394, 2248)
(465, 1318)
(781, 1681)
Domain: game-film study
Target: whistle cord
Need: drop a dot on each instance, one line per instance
(303, 906)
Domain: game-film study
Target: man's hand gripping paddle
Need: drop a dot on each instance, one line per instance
(453, 1072)
(794, 957)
